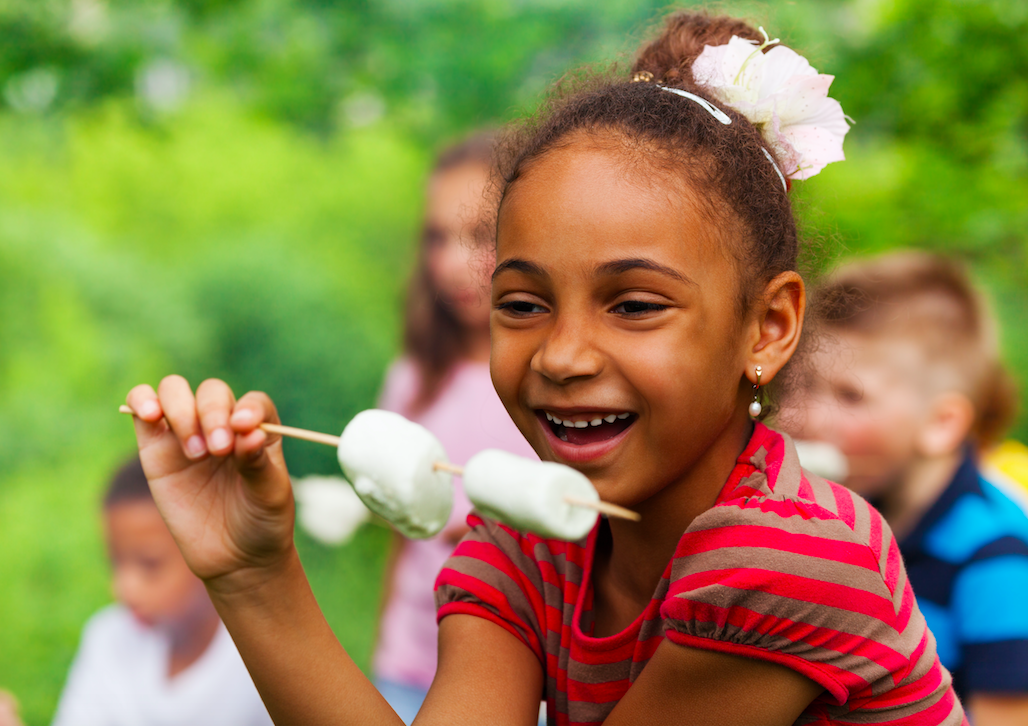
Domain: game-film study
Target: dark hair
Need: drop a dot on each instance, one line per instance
(930, 300)
(433, 337)
(128, 484)
(739, 189)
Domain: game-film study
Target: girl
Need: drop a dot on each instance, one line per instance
(442, 383)
(645, 265)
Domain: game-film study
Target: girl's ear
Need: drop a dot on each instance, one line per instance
(947, 426)
(775, 331)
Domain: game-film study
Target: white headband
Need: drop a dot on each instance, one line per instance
(723, 118)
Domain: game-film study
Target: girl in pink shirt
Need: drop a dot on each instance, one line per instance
(443, 383)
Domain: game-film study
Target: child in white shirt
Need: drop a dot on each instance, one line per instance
(160, 656)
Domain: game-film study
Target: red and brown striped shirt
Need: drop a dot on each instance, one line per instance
(785, 567)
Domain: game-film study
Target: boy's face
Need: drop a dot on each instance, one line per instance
(868, 398)
(150, 576)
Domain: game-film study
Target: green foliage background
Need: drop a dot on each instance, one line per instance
(233, 188)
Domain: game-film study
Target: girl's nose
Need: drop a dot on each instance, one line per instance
(566, 355)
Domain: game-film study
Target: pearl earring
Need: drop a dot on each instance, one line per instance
(755, 407)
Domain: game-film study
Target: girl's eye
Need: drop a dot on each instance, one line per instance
(521, 307)
(637, 307)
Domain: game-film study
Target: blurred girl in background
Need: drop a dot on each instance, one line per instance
(442, 382)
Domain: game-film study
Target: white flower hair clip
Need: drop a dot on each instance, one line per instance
(782, 95)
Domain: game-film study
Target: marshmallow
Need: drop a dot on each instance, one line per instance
(529, 495)
(823, 459)
(328, 508)
(389, 461)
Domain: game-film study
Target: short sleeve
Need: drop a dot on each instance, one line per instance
(493, 575)
(788, 582)
(990, 613)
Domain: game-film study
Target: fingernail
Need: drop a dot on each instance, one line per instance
(243, 416)
(220, 439)
(149, 408)
(195, 447)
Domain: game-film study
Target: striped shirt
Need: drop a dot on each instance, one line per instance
(785, 567)
(968, 564)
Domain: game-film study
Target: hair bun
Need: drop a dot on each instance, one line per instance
(670, 56)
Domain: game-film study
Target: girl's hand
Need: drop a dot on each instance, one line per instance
(219, 481)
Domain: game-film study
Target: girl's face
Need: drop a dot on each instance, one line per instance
(456, 204)
(616, 342)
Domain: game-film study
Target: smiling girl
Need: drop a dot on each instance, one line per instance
(645, 288)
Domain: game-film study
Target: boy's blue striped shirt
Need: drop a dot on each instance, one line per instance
(967, 560)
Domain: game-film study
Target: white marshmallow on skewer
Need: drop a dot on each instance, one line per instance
(390, 462)
(530, 495)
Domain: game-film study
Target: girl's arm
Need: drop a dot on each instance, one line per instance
(682, 685)
(485, 676)
(222, 487)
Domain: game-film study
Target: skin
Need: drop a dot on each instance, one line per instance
(904, 437)
(573, 340)
(152, 580)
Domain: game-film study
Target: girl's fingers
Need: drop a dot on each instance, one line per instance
(252, 410)
(176, 398)
(214, 405)
(143, 401)
(149, 417)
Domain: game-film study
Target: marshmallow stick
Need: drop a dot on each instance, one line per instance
(316, 437)
(611, 510)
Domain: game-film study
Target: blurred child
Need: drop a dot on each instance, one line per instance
(160, 656)
(443, 383)
(645, 290)
(908, 384)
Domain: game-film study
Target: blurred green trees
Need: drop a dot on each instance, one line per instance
(232, 188)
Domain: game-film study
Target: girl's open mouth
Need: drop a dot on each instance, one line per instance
(586, 429)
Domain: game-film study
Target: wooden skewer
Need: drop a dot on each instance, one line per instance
(316, 437)
(447, 466)
(611, 510)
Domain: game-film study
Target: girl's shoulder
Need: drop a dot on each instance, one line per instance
(769, 489)
(797, 570)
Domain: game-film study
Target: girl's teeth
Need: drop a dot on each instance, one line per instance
(610, 418)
